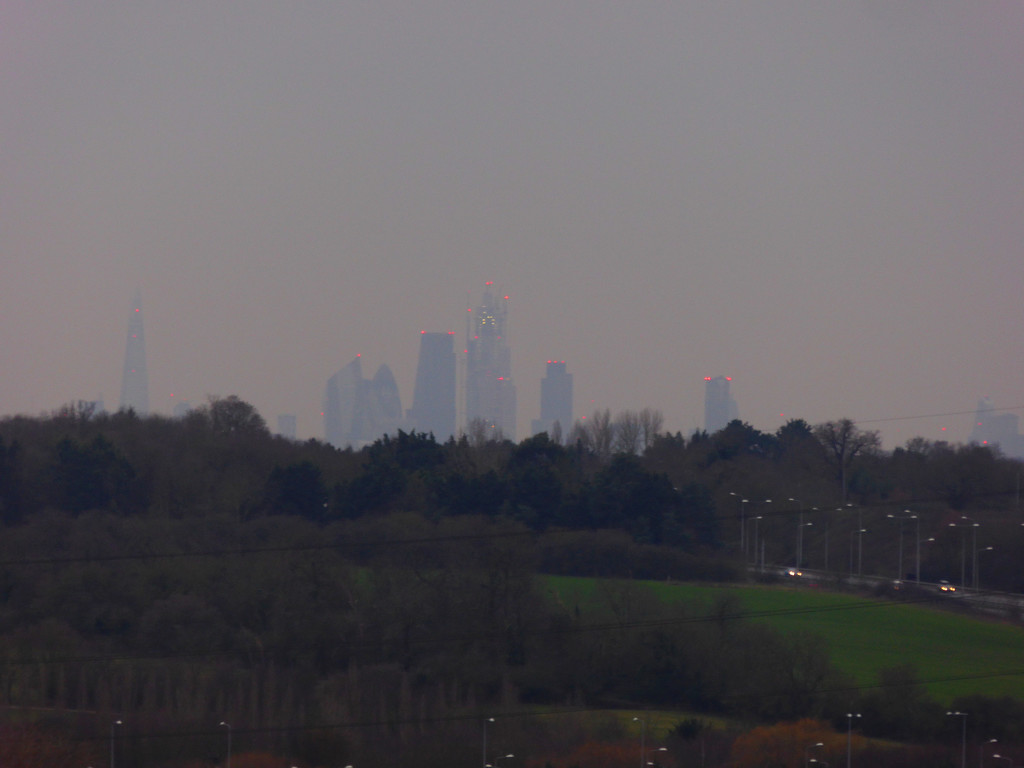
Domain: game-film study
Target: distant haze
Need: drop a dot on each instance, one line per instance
(824, 201)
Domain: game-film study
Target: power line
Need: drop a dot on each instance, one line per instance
(936, 415)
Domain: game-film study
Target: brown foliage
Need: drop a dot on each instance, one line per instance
(30, 746)
(597, 754)
(785, 745)
(256, 760)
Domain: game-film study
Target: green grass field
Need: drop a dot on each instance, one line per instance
(954, 654)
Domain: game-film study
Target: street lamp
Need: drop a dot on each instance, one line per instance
(860, 550)
(1007, 759)
(113, 725)
(859, 533)
(981, 752)
(757, 527)
(963, 749)
(799, 530)
(907, 515)
(643, 734)
(963, 546)
(652, 751)
(800, 543)
(849, 731)
(921, 541)
(228, 726)
(808, 749)
(860, 539)
(486, 721)
(976, 551)
(743, 538)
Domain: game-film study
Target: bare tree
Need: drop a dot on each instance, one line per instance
(627, 432)
(651, 422)
(843, 442)
(479, 432)
(578, 435)
(600, 432)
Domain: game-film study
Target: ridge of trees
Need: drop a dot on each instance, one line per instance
(425, 597)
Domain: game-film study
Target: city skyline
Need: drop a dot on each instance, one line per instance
(357, 411)
(821, 200)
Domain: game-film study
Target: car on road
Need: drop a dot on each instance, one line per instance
(945, 586)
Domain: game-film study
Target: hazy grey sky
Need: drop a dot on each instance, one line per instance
(823, 200)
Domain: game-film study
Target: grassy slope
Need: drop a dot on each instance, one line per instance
(954, 654)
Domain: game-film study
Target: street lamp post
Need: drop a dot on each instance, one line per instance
(860, 551)
(976, 551)
(828, 528)
(860, 540)
(643, 734)
(917, 548)
(807, 751)
(487, 720)
(757, 531)
(799, 530)
(963, 545)
(849, 732)
(1007, 759)
(859, 533)
(652, 751)
(907, 515)
(921, 541)
(981, 752)
(800, 559)
(113, 725)
(974, 555)
(743, 537)
(963, 748)
(228, 726)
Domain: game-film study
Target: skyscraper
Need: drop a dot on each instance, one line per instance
(134, 381)
(490, 390)
(433, 401)
(358, 411)
(995, 428)
(555, 400)
(719, 406)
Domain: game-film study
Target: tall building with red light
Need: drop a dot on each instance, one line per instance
(433, 400)
(358, 411)
(134, 380)
(490, 389)
(555, 400)
(719, 406)
(997, 429)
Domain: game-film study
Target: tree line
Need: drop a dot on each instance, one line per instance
(197, 570)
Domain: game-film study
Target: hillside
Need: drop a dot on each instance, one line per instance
(955, 654)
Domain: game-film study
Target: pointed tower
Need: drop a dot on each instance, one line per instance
(134, 381)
